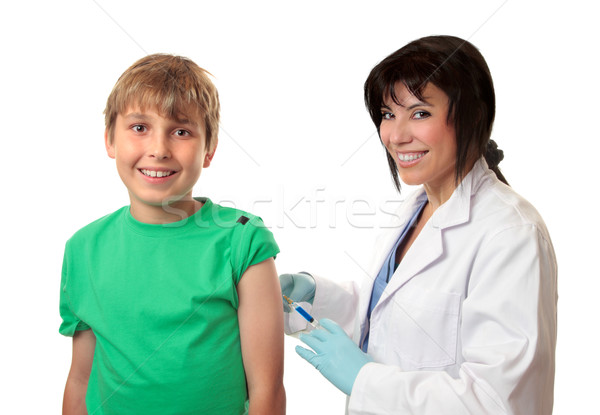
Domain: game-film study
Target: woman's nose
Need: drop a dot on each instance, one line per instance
(395, 132)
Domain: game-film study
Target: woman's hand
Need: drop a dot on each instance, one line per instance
(335, 355)
(299, 287)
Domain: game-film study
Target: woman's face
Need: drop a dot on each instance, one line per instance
(418, 137)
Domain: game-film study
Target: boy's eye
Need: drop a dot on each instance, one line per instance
(138, 128)
(418, 115)
(182, 133)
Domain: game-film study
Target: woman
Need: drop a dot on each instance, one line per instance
(458, 315)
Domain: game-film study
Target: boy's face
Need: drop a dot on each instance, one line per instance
(159, 160)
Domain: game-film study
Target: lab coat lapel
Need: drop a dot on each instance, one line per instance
(395, 228)
(385, 243)
(429, 245)
(426, 249)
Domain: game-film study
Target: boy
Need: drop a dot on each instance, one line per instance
(173, 302)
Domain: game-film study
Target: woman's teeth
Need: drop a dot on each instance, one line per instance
(154, 173)
(410, 157)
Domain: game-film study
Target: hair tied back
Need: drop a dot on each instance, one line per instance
(493, 155)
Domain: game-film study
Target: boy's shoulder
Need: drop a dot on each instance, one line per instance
(92, 229)
(229, 216)
(212, 215)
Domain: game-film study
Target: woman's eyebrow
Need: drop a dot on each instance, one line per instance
(420, 103)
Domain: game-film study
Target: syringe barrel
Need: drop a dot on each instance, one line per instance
(304, 314)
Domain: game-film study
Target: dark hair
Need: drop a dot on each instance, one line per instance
(457, 68)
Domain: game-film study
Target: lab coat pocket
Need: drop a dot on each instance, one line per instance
(425, 326)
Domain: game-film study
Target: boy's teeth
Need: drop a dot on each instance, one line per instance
(410, 157)
(154, 173)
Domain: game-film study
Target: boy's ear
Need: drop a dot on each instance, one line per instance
(208, 157)
(110, 148)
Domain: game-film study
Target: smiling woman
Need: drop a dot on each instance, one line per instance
(429, 332)
(453, 67)
(417, 135)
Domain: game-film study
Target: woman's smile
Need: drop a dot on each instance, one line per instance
(417, 134)
(409, 158)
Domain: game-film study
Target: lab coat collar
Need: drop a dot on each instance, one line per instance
(453, 212)
(457, 209)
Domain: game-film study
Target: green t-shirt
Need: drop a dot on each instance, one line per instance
(162, 302)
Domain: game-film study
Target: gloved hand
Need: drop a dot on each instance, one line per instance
(298, 287)
(335, 354)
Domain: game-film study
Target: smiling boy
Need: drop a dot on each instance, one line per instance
(173, 302)
(159, 160)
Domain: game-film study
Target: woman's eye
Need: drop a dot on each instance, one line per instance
(386, 115)
(418, 115)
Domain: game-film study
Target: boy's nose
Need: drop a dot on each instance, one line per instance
(160, 148)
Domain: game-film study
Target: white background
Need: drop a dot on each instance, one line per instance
(296, 147)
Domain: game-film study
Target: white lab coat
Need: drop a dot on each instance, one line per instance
(467, 323)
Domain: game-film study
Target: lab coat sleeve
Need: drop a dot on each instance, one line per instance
(337, 301)
(508, 331)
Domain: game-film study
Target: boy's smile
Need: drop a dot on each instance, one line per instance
(159, 160)
(157, 173)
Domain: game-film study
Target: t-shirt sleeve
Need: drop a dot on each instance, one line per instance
(70, 322)
(252, 243)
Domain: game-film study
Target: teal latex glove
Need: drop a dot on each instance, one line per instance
(299, 287)
(335, 355)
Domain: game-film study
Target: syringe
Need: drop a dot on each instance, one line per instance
(311, 320)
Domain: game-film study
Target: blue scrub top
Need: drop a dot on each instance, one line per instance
(387, 271)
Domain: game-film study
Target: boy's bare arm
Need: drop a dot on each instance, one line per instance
(84, 344)
(261, 330)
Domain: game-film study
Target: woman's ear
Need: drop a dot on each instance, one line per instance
(108, 143)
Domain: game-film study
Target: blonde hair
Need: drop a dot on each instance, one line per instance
(174, 85)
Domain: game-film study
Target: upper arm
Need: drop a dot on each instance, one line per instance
(84, 344)
(509, 316)
(513, 277)
(261, 328)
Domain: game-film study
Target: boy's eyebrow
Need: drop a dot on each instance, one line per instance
(142, 117)
(136, 115)
(183, 120)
